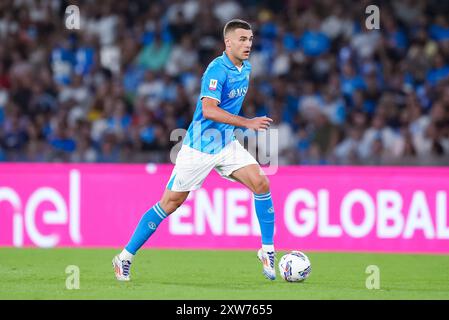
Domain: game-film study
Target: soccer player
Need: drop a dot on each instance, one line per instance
(210, 144)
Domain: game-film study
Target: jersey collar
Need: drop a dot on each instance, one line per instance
(229, 63)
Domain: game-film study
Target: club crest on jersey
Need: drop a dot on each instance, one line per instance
(213, 84)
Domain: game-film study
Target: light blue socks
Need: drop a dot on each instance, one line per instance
(265, 215)
(146, 227)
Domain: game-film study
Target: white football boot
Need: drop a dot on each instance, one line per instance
(268, 261)
(121, 269)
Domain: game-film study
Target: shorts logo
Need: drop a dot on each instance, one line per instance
(152, 225)
(271, 210)
(213, 84)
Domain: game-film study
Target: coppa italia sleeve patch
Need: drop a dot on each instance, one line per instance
(213, 84)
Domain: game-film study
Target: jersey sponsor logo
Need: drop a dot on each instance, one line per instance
(235, 93)
(213, 84)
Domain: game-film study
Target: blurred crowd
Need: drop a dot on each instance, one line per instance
(116, 89)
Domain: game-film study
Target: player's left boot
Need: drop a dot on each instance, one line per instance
(121, 269)
(268, 260)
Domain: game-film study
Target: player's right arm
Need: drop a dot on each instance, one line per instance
(211, 88)
(213, 112)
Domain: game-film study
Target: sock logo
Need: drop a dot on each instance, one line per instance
(152, 225)
(271, 210)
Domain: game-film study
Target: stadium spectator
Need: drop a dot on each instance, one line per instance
(115, 89)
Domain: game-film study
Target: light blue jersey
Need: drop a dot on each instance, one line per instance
(224, 82)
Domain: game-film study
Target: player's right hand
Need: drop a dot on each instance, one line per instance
(259, 123)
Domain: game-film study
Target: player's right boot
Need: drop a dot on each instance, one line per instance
(268, 260)
(121, 269)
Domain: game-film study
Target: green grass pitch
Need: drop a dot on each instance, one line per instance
(206, 274)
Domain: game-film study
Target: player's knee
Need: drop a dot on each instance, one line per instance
(262, 185)
(170, 204)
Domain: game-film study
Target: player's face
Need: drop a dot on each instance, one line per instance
(239, 41)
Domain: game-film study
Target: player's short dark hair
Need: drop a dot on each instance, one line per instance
(235, 24)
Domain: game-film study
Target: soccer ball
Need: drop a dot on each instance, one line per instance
(294, 266)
